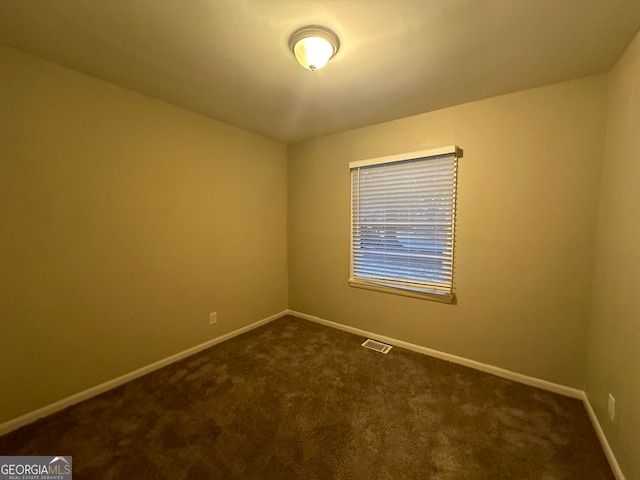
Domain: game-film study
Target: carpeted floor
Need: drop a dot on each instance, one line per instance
(294, 399)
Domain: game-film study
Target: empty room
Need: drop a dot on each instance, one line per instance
(277, 239)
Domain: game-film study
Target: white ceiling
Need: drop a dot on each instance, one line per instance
(229, 59)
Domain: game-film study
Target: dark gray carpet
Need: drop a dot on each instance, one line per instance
(294, 399)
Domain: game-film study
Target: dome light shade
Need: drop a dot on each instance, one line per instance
(313, 46)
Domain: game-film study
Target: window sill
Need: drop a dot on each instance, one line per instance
(434, 297)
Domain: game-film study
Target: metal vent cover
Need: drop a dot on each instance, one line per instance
(376, 346)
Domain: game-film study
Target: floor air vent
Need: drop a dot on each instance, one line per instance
(377, 346)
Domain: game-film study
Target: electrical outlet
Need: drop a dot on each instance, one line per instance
(213, 318)
(611, 407)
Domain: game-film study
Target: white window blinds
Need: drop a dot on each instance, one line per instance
(403, 218)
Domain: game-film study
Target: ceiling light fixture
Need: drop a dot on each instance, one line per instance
(313, 46)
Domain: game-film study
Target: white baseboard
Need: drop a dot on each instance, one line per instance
(500, 372)
(30, 417)
(603, 439)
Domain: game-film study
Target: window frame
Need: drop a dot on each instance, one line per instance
(404, 289)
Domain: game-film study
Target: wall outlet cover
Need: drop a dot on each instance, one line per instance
(611, 407)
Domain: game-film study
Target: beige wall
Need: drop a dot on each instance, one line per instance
(528, 190)
(614, 332)
(125, 221)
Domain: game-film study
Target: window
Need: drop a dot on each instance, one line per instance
(402, 223)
